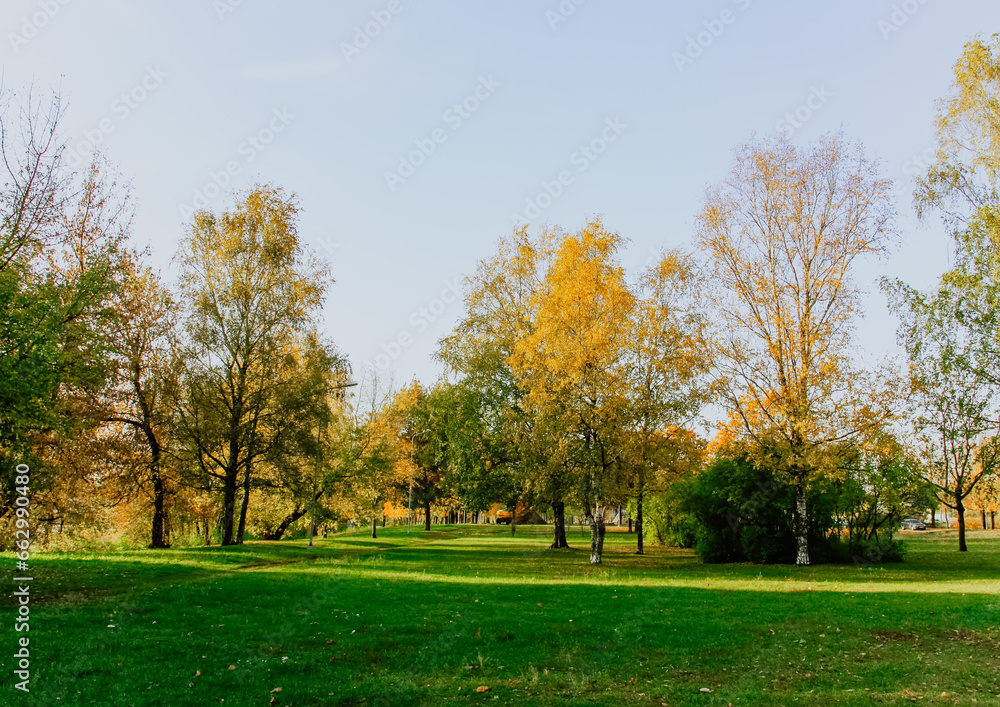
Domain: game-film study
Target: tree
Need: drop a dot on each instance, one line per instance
(878, 488)
(953, 413)
(142, 340)
(61, 239)
(667, 366)
(372, 463)
(500, 450)
(986, 498)
(252, 292)
(782, 235)
(952, 335)
(574, 366)
(308, 430)
(64, 311)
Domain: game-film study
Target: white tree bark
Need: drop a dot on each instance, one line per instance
(801, 526)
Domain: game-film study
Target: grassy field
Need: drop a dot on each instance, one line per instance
(434, 617)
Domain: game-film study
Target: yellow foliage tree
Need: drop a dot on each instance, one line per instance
(783, 234)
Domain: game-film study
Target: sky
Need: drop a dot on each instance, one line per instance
(416, 133)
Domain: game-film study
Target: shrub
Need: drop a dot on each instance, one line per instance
(744, 513)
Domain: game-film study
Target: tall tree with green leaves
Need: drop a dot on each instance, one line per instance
(61, 240)
(252, 293)
(952, 334)
(953, 409)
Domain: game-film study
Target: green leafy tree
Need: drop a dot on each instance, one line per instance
(61, 243)
(252, 293)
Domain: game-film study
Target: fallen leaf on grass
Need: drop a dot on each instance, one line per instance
(232, 667)
(197, 673)
(483, 688)
(277, 689)
(705, 689)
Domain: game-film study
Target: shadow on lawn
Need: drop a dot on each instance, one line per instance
(334, 638)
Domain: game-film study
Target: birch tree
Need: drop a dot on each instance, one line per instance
(783, 235)
(251, 291)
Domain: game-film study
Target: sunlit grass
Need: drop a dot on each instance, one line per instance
(433, 616)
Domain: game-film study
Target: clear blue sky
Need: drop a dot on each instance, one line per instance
(341, 92)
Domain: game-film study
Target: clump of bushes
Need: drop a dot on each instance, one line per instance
(735, 511)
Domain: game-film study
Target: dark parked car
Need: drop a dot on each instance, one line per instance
(912, 524)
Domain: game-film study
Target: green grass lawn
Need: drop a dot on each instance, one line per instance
(427, 619)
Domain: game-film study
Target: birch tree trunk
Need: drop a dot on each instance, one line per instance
(596, 533)
(801, 526)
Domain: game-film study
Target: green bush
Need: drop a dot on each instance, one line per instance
(742, 513)
(665, 518)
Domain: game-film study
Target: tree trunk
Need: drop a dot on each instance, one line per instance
(638, 523)
(559, 520)
(159, 513)
(596, 534)
(933, 520)
(984, 519)
(296, 513)
(993, 524)
(228, 507)
(383, 520)
(427, 515)
(208, 534)
(801, 526)
(374, 526)
(159, 533)
(244, 507)
(960, 509)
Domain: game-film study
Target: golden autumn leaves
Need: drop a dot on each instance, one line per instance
(611, 369)
(603, 365)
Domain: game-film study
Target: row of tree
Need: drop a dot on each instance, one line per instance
(581, 385)
(570, 384)
(127, 398)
